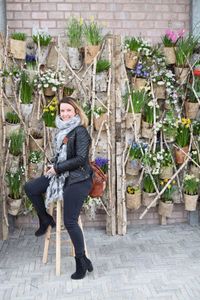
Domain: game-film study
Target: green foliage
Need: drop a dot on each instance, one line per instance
(74, 32)
(16, 142)
(50, 112)
(169, 124)
(26, 88)
(190, 185)
(196, 127)
(12, 118)
(191, 96)
(14, 184)
(102, 65)
(136, 151)
(168, 193)
(133, 189)
(185, 49)
(35, 157)
(183, 133)
(148, 185)
(42, 38)
(93, 33)
(139, 98)
(132, 43)
(20, 36)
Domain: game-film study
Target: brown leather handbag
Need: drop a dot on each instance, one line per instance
(98, 181)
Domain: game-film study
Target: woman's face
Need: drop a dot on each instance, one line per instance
(67, 111)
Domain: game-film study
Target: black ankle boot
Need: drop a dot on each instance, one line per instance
(44, 223)
(83, 264)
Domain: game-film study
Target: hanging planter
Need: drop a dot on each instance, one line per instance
(75, 58)
(194, 170)
(42, 54)
(180, 156)
(99, 120)
(13, 206)
(165, 208)
(133, 197)
(147, 130)
(190, 202)
(90, 53)
(137, 123)
(170, 56)
(9, 87)
(32, 142)
(131, 59)
(18, 49)
(35, 170)
(147, 198)
(160, 91)
(139, 83)
(181, 74)
(191, 109)
(12, 127)
(133, 167)
(166, 172)
(49, 92)
(13, 163)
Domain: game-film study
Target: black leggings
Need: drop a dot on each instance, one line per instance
(74, 196)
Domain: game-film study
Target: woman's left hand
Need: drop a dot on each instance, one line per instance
(51, 171)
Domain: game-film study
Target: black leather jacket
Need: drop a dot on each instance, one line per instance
(77, 163)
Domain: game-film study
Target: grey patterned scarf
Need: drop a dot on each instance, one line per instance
(55, 189)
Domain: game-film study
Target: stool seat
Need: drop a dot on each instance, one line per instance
(58, 237)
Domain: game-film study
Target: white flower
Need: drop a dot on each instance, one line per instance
(54, 88)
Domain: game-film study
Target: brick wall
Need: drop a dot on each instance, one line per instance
(126, 17)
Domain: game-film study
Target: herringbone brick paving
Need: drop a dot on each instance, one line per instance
(149, 263)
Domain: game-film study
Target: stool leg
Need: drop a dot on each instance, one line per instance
(58, 236)
(47, 238)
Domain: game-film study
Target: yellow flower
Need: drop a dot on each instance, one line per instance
(187, 126)
(51, 108)
(169, 186)
(174, 181)
(161, 183)
(184, 121)
(166, 180)
(189, 121)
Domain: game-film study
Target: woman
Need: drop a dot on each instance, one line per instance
(69, 178)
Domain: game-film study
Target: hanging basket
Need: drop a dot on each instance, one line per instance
(18, 49)
(139, 83)
(13, 206)
(181, 74)
(190, 202)
(42, 54)
(130, 59)
(169, 138)
(130, 121)
(13, 163)
(194, 170)
(101, 81)
(160, 91)
(133, 201)
(35, 170)
(10, 128)
(147, 130)
(33, 146)
(170, 56)
(166, 172)
(99, 120)
(191, 110)
(147, 198)
(90, 53)
(48, 92)
(9, 87)
(75, 58)
(180, 156)
(165, 208)
(133, 167)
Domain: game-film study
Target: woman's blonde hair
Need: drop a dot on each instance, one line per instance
(77, 108)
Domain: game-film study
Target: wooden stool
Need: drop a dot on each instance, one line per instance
(58, 237)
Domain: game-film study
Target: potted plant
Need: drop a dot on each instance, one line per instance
(141, 73)
(26, 91)
(12, 123)
(16, 144)
(182, 140)
(50, 112)
(101, 79)
(131, 46)
(191, 103)
(93, 36)
(36, 140)
(100, 116)
(148, 119)
(184, 50)
(74, 33)
(169, 41)
(49, 82)
(169, 126)
(35, 166)
(148, 192)
(14, 199)
(138, 100)
(91, 205)
(43, 39)
(191, 191)
(166, 162)
(134, 162)
(166, 202)
(102, 163)
(18, 45)
(194, 169)
(196, 133)
(133, 197)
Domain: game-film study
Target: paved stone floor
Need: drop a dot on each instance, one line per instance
(150, 262)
